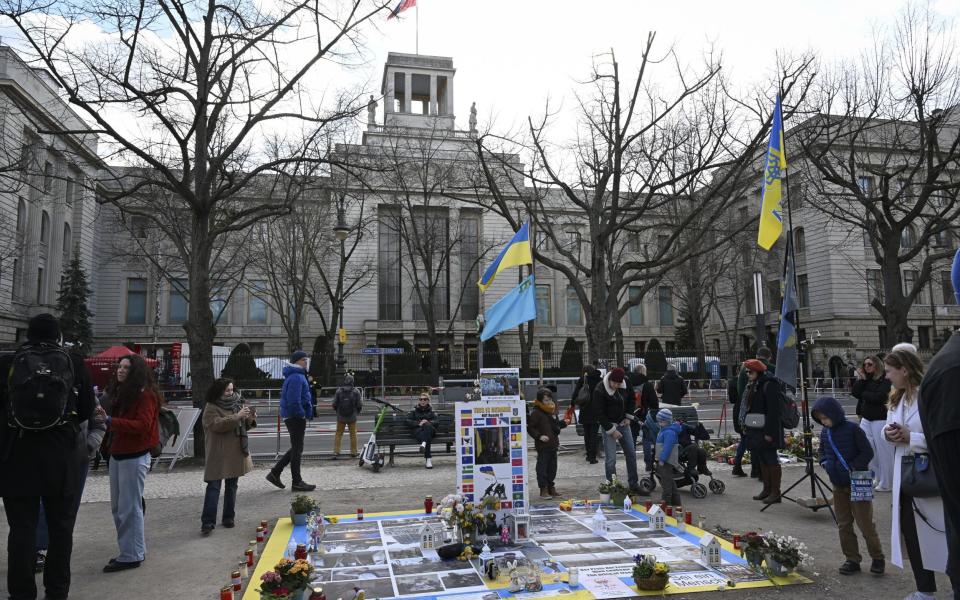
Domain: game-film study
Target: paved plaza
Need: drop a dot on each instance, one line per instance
(183, 564)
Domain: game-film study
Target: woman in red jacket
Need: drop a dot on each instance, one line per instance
(132, 426)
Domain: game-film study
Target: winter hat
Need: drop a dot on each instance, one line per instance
(666, 415)
(754, 365)
(955, 276)
(617, 375)
(904, 347)
(671, 367)
(347, 379)
(298, 355)
(43, 327)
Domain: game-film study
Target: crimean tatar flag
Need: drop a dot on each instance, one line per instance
(771, 207)
(515, 253)
(400, 7)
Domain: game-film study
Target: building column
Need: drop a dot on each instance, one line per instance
(388, 97)
(450, 110)
(433, 95)
(407, 92)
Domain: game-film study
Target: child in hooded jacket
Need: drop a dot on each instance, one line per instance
(667, 453)
(544, 427)
(844, 447)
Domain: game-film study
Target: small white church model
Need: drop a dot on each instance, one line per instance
(710, 550)
(431, 535)
(656, 517)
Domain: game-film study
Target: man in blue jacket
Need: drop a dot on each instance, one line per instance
(844, 447)
(296, 408)
(668, 456)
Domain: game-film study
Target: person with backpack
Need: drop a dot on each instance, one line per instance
(347, 404)
(764, 355)
(46, 393)
(844, 448)
(225, 424)
(296, 408)
(762, 407)
(134, 432)
(671, 387)
(583, 399)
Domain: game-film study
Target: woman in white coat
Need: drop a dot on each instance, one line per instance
(919, 520)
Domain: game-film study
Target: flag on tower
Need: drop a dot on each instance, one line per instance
(400, 7)
(771, 207)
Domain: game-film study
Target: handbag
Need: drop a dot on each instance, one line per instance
(917, 478)
(861, 482)
(571, 415)
(755, 420)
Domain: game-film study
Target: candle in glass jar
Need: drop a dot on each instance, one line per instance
(244, 572)
(428, 505)
(237, 581)
(736, 541)
(360, 514)
(259, 535)
(252, 546)
(688, 517)
(647, 505)
(266, 528)
(249, 555)
(301, 552)
(669, 511)
(226, 593)
(574, 576)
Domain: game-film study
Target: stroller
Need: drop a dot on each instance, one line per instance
(689, 475)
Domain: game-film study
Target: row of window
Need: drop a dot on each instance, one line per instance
(910, 277)
(177, 306)
(574, 312)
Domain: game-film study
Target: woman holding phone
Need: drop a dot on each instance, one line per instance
(919, 520)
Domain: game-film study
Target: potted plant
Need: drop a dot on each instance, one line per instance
(649, 574)
(300, 507)
(784, 554)
(604, 490)
(287, 581)
(618, 492)
(753, 546)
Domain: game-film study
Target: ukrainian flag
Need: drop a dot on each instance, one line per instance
(771, 207)
(516, 253)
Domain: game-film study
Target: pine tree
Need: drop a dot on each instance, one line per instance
(655, 359)
(241, 366)
(72, 306)
(683, 332)
(571, 360)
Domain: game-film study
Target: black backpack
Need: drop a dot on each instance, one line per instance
(168, 427)
(790, 413)
(41, 384)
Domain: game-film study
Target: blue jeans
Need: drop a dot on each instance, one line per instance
(127, 477)
(212, 498)
(741, 448)
(649, 441)
(629, 454)
(43, 532)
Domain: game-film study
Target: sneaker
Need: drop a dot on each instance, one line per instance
(429, 463)
(877, 566)
(545, 494)
(41, 561)
(849, 568)
(206, 529)
(115, 565)
(881, 488)
(275, 480)
(303, 486)
(423, 447)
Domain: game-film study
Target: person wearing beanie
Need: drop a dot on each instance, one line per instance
(46, 464)
(671, 387)
(544, 427)
(761, 411)
(615, 412)
(667, 453)
(940, 420)
(347, 404)
(296, 408)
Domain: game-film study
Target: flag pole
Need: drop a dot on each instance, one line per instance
(418, 29)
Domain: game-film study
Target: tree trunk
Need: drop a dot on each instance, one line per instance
(200, 337)
(896, 306)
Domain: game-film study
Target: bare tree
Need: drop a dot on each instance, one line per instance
(189, 94)
(881, 157)
(639, 150)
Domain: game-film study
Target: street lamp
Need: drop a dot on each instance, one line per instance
(340, 231)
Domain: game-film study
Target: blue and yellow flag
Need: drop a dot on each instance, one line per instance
(519, 306)
(771, 207)
(787, 337)
(514, 254)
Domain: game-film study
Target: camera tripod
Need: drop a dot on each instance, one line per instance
(818, 497)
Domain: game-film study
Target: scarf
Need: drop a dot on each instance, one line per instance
(232, 405)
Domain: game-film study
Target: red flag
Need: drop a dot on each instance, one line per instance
(402, 6)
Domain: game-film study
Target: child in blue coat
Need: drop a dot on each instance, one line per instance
(667, 454)
(844, 447)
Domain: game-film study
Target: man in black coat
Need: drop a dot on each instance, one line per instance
(615, 412)
(645, 396)
(583, 399)
(940, 415)
(671, 387)
(46, 465)
(762, 428)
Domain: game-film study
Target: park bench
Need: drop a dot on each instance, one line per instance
(687, 414)
(394, 432)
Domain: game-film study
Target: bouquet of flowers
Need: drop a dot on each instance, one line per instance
(649, 574)
(294, 574)
(272, 588)
(787, 551)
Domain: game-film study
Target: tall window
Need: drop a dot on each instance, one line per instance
(803, 290)
(544, 312)
(946, 286)
(574, 314)
(639, 348)
(799, 240)
(573, 242)
(774, 295)
(469, 267)
(943, 239)
(256, 307)
(41, 287)
(874, 285)
(433, 230)
(44, 227)
(177, 303)
(67, 244)
(139, 226)
(665, 301)
(634, 243)
(908, 239)
(865, 183)
(910, 278)
(635, 312)
(70, 187)
(136, 301)
(388, 268)
(218, 305)
(47, 176)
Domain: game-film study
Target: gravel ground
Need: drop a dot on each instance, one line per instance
(182, 564)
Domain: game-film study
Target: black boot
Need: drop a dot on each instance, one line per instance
(755, 471)
(764, 477)
(774, 475)
(738, 471)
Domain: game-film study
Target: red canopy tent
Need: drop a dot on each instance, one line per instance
(103, 365)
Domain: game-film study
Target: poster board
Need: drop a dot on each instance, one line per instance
(500, 384)
(492, 451)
